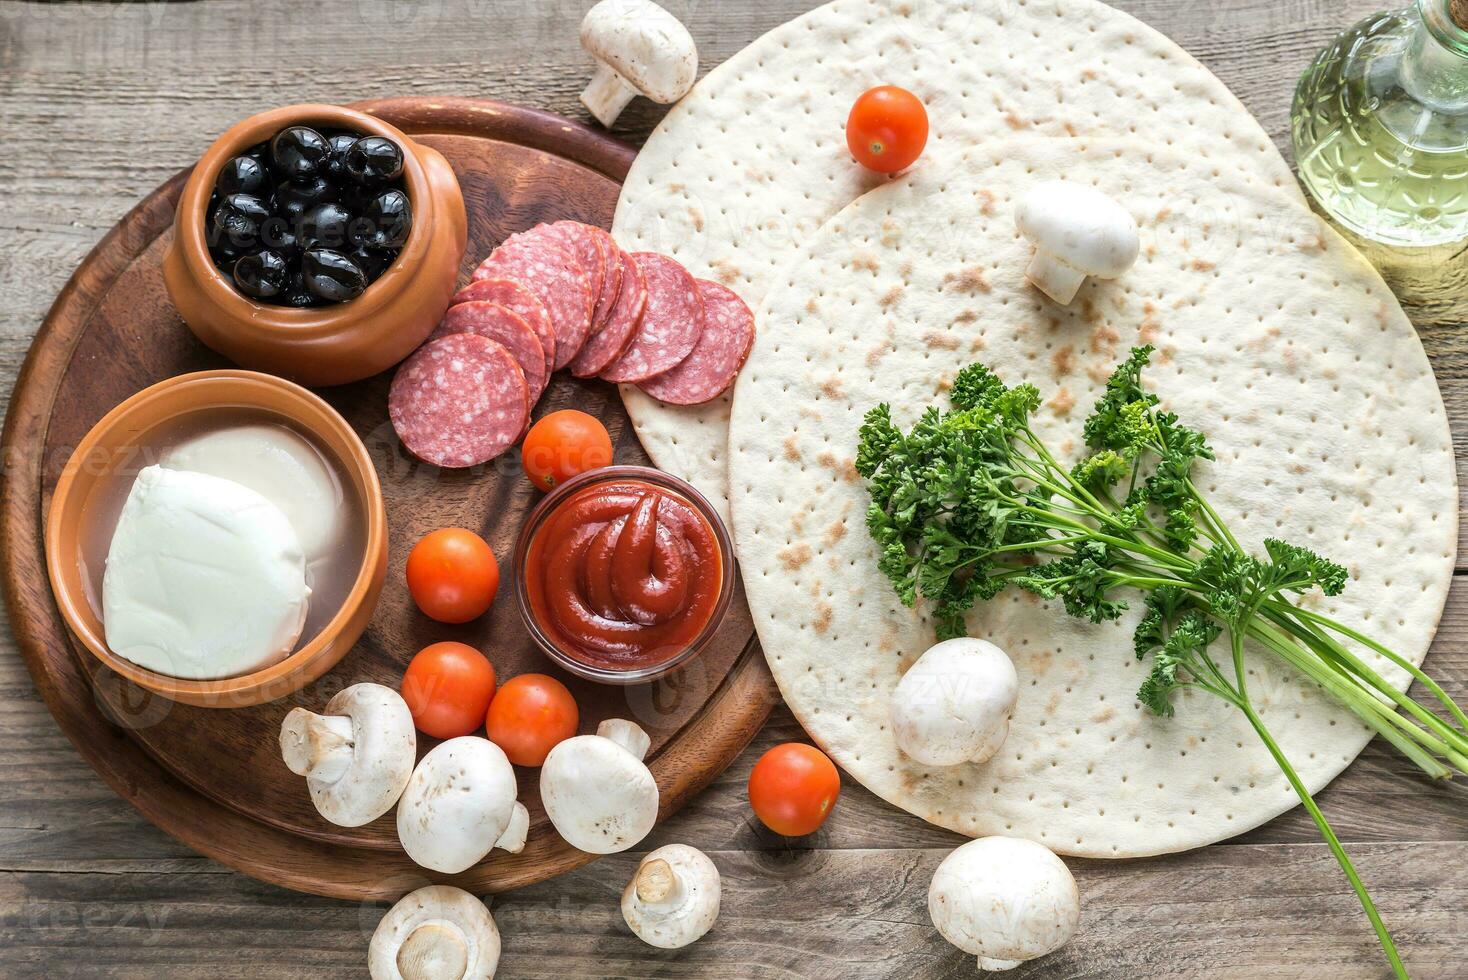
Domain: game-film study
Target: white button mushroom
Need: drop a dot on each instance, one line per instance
(640, 49)
(674, 897)
(357, 757)
(1077, 232)
(1004, 900)
(596, 790)
(435, 933)
(953, 705)
(459, 805)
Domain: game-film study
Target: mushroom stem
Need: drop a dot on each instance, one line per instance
(513, 839)
(1054, 278)
(659, 885)
(997, 966)
(626, 734)
(607, 95)
(433, 951)
(316, 746)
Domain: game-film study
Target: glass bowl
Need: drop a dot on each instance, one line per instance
(569, 659)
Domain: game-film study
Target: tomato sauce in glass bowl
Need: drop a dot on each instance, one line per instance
(623, 574)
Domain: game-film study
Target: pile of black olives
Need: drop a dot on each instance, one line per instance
(309, 218)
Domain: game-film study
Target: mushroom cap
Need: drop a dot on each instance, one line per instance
(953, 705)
(459, 802)
(600, 797)
(384, 746)
(671, 910)
(647, 46)
(1005, 900)
(1079, 225)
(435, 932)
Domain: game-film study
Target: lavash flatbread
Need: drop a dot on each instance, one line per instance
(754, 160)
(1273, 337)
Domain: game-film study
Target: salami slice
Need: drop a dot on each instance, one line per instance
(611, 340)
(578, 241)
(459, 401)
(557, 280)
(494, 322)
(518, 300)
(611, 284)
(671, 321)
(728, 336)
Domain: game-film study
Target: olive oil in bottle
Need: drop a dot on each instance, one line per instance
(1380, 130)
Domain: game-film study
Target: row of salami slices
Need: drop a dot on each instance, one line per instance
(562, 295)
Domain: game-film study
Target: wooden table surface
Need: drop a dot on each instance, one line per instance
(99, 103)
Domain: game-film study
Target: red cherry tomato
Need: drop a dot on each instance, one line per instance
(531, 715)
(887, 129)
(793, 788)
(452, 575)
(562, 445)
(448, 687)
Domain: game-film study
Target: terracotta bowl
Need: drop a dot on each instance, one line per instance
(117, 441)
(326, 345)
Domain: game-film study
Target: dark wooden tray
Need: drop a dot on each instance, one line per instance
(214, 778)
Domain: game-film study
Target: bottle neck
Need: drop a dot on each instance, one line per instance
(1434, 68)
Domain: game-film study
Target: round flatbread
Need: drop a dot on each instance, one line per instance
(459, 401)
(705, 374)
(1273, 337)
(752, 161)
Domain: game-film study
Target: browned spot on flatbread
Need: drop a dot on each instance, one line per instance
(822, 622)
(835, 533)
(1013, 121)
(1104, 339)
(794, 556)
(878, 352)
(831, 387)
(1068, 446)
(891, 232)
(1148, 329)
(1062, 402)
(865, 260)
(1098, 372)
(906, 270)
(940, 340)
(1103, 716)
(966, 316)
(1089, 74)
(890, 298)
(970, 280)
(844, 468)
(986, 203)
(696, 216)
(792, 449)
(811, 307)
(725, 271)
(1162, 215)
(1200, 265)
(1062, 361)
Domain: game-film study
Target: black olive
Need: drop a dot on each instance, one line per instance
(298, 153)
(388, 220)
(294, 198)
(374, 160)
(241, 175)
(336, 160)
(262, 275)
(278, 233)
(326, 225)
(260, 152)
(237, 220)
(332, 276)
(373, 261)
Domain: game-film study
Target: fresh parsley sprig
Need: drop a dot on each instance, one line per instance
(971, 501)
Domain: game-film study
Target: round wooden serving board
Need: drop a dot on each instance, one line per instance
(214, 778)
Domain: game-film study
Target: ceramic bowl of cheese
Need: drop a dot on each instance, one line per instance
(219, 539)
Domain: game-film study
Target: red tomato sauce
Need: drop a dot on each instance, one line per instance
(623, 575)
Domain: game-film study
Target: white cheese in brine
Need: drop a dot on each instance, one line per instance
(205, 578)
(281, 466)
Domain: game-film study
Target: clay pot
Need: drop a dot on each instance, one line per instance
(116, 442)
(327, 345)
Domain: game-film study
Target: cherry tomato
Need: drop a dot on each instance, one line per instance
(448, 687)
(452, 575)
(562, 445)
(530, 715)
(793, 788)
(887, 129)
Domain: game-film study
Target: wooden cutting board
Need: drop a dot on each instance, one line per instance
(214, 778)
